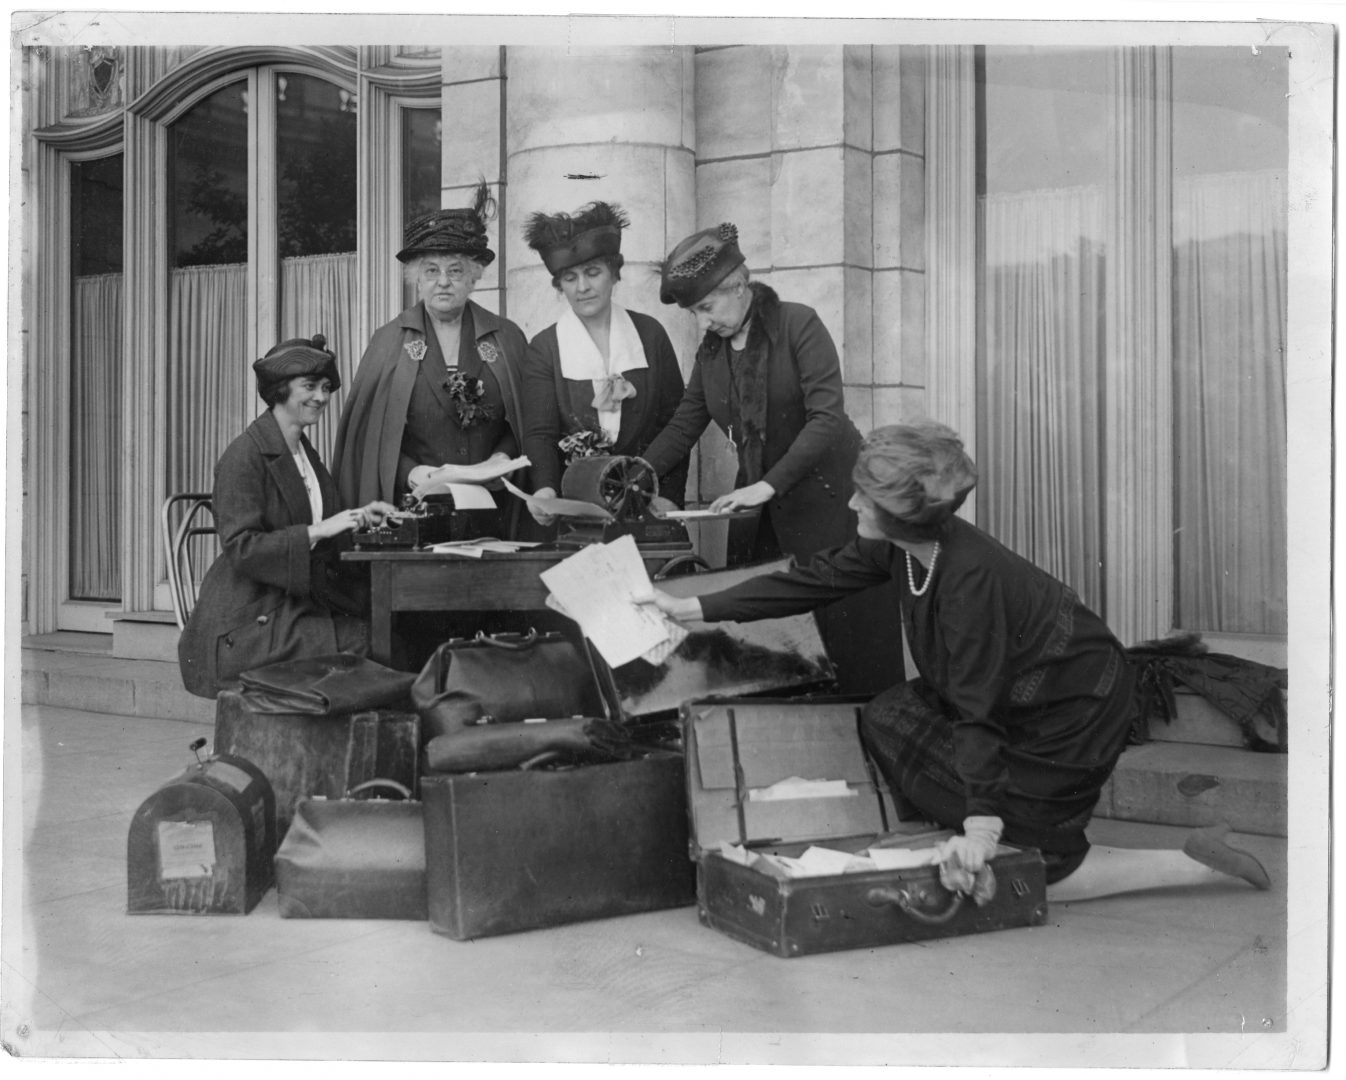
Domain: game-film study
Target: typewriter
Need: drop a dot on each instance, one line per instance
(433, 519)
(624, 487)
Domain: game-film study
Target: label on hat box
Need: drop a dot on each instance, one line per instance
(186, 849)
(229, 775)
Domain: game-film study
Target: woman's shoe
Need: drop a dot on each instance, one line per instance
(1208, 847)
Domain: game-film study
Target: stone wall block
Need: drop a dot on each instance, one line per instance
(858, 215)
(733, 101)
(859, 102)
(628, 175)
(738, 191)
(860, 407)
(897, 405)
(465, 63)
(559, 97)
(887, 82)
(857, 362)
(915, 368)
(911, 211)
(808, 207)
(809, 97)
(471, 144)
(888, 319)
(887, 212)
(911, 98)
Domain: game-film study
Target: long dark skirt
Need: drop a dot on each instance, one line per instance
(1047, 804)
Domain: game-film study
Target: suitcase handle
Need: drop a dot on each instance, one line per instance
(523, 644)
(370, 785)
(909, 901)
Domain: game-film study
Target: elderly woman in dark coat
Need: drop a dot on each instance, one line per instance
(602, 379)
(437, 389)
(767, 372)
(278, 590)
(1024, 699)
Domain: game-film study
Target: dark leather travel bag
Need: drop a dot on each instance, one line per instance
(354, 858)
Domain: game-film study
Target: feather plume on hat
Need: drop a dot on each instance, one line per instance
(569, 239)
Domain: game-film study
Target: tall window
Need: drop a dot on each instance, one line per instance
(246, 275)
(95, 379)
(1053, 169)
(422, 131)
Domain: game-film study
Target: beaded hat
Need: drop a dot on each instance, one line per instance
(566, 240)
(698, 264)
(295, 357)
(452, 232)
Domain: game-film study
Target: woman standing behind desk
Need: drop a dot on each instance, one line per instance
(437, 388)
(278, 590)
(601, 379)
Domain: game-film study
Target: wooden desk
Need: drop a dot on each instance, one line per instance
(401, 581)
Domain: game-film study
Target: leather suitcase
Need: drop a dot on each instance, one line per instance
(524, 849)
(736, 746)
(354, 858)
(304, 754)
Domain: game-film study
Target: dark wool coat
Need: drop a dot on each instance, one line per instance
(268, 597)
(369, 436)
(555, 406)
(809, 445)
(1039, 692)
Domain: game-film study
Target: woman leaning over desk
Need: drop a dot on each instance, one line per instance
(601, 379)
(278, 590)
(1024, 699)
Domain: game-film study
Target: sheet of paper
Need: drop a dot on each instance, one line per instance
(465, 496)
(903, 858)
(571, 508)
(598, 586)
(466, 551)
(796, 787)
(480, 473)
(704, 515)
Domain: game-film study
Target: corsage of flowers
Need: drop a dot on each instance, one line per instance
(416, 349)
(467, 392)
(584, 443)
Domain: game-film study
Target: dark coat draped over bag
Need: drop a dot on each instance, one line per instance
(269, 596)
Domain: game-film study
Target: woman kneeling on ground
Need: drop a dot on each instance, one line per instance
(1024, 700)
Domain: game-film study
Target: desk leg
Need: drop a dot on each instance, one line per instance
(380, 613)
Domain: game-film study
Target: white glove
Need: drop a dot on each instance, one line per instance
(961, 858)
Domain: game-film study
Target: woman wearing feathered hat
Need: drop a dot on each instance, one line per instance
(1024, 700)
(437, 388)
(278, 590)
(768, 374)
(601, 379)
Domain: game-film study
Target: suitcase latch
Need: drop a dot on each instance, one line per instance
(819, 912)
(1019, 886)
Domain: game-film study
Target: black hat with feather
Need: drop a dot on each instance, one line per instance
(566, 240)
(452, 232)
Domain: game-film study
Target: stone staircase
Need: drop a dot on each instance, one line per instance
(1194, 772)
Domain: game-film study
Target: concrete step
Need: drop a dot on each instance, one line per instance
(145, 635)
(78, 671)
(1162, 782)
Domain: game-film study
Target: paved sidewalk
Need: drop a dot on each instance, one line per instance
(1190, 977)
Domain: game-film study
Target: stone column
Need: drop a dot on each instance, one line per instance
(610, 124)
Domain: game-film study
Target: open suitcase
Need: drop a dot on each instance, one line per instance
(738, 746)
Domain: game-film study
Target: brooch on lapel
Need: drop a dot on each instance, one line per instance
(416, 349)
(488, 352)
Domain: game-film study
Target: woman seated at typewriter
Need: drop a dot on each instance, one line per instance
(278, 590)
(601, 379)
(1024, 699)
(437, 389)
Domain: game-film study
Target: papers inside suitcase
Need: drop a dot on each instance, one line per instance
(781, 776)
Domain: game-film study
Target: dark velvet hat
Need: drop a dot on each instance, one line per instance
(295, 357)
(698, 264)
(566, 240)
(452, 232)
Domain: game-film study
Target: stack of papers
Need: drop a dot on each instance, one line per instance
(600, 587)
(821, 861)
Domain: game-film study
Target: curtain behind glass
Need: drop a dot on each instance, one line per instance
(212, 393)
(1041, 331)
(95, 439)
(1229, 382)
(318, 297)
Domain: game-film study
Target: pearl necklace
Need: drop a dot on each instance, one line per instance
(929, 574)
